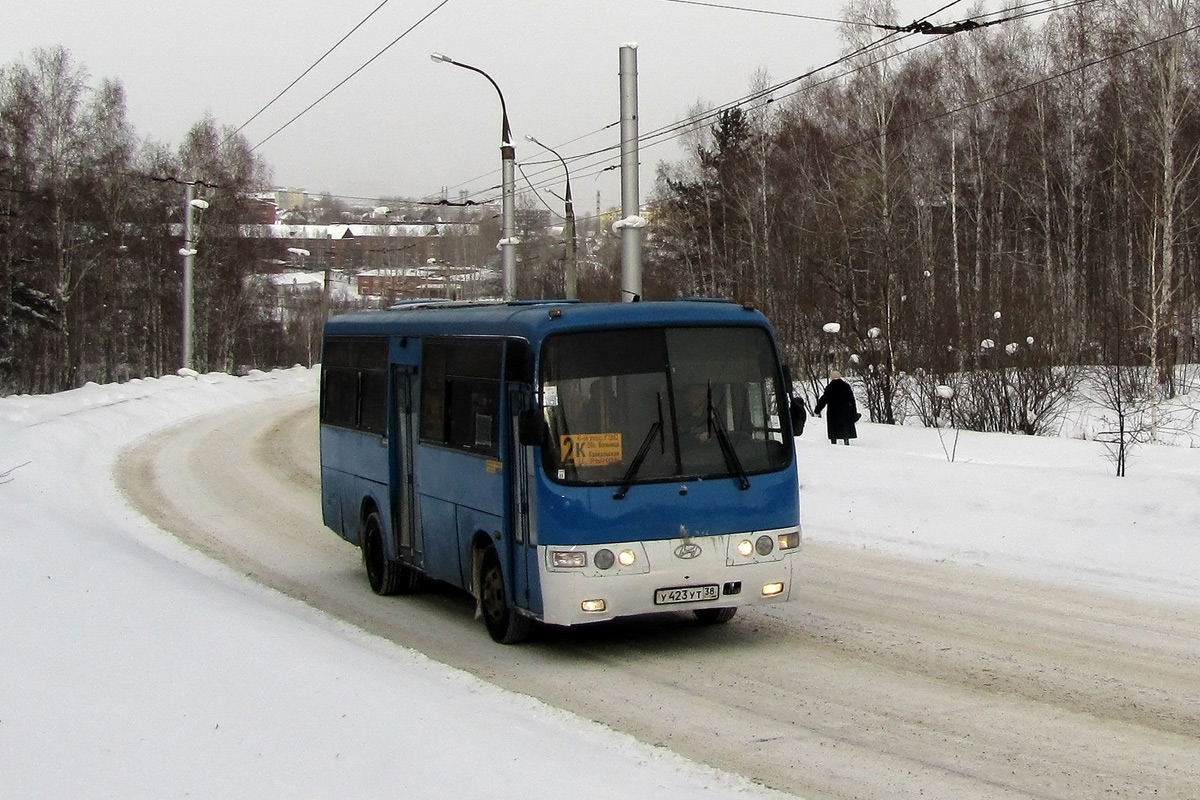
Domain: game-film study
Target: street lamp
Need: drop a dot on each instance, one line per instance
(508, 156)
(570, 278)
(188, 251)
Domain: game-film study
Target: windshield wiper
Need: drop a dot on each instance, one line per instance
(732, 462)
(631, 473)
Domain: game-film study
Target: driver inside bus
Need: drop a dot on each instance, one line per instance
(693, 419)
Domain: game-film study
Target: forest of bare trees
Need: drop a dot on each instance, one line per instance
(90, 228)
(992, 210)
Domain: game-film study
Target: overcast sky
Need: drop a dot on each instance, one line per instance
(404, 125)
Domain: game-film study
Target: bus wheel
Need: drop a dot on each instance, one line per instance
(386, 576)
(383, 573)
(504, 624)
(713, 616)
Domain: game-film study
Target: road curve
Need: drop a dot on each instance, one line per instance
(885, 679)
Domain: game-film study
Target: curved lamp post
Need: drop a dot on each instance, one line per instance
(571, 276)
(508, 242)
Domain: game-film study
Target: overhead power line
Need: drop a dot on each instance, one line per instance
(313, 66)
(747, 9)
(345, 80)
(925, 27)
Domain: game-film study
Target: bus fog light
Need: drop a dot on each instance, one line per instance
(568, 558)
(772, 589)
(745, 547)
(604, 559)
(626, 558)
(764, 545)
(789, 541)
(593, 606)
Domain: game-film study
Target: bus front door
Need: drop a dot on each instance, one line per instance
(401, 485)
(523, 531)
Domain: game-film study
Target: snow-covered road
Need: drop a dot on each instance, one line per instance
(886, 678)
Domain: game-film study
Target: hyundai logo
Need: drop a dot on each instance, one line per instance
(688, 550)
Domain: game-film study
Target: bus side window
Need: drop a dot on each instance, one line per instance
(354, 383)
(460, 394)
(373, 405)
(472, 422)
(340, 406)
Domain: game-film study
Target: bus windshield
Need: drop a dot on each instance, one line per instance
(657, 404)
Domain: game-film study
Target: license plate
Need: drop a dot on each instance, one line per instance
(685, 594)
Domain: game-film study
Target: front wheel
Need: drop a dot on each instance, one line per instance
(504, 624)
(715, 616)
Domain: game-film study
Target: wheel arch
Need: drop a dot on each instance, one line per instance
(481, 542)
(366, 507)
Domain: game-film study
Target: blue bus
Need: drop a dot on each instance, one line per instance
(564, 462)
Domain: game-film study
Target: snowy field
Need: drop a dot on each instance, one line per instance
(134, 667)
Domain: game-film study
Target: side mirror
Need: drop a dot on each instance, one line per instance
(531, 427)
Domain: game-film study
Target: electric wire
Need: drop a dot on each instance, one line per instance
(311, 67)
(345, 80)
(765, 11)
(1032, 84)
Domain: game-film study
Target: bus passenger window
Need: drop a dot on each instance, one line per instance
(460, 395)
(341, 397)
(471, 419)
(373, 403)
(354, 383)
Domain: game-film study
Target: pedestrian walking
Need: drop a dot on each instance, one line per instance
(838, 397)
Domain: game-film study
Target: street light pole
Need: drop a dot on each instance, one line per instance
(508, 157)
(188, 251)
(189, 255)
(571, 271)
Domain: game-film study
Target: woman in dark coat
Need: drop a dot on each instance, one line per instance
(843, 411)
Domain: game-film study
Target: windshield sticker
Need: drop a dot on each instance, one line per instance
(550, 397)
(590, 449)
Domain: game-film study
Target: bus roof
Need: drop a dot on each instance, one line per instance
(533, 320)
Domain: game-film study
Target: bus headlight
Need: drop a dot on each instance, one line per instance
(604, 559)
(772, 589)
(593, 606)
(745, 547)
(789, 541)
(764, 545)
(568, 558)
(626, 558)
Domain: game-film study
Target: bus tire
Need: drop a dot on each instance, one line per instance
(504, 624)
(383, 574)
(715, 616)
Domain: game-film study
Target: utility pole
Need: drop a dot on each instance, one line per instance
(630, 226)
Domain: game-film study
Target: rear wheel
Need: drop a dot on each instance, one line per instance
(714, 616)
(385, 575)
(504, 624)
